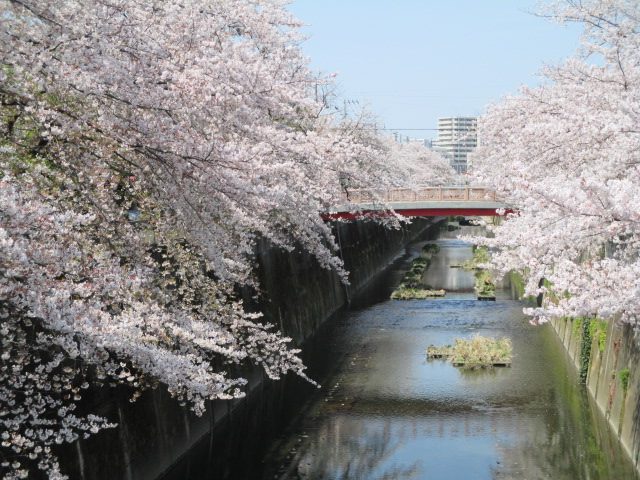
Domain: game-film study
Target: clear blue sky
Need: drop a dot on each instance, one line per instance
(412, 61)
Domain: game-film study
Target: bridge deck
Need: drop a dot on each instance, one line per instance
(421, 202)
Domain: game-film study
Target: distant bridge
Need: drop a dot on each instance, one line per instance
(422, 202)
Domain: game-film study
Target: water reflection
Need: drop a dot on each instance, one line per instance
(357, 450)
(390, 413)
(441, 274)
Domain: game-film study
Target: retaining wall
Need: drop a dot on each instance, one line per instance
(156, 438)
(608, 360)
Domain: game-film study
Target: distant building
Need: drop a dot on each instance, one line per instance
(457, 137)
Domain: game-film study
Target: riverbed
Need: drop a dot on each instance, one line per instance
(386, 412)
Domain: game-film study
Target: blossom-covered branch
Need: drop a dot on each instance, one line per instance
(145, 146)
(566, 155)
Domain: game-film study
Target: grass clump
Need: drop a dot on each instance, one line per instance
(481, 255)
(412, 286)
(431, 249)
(439, 352)
(484, 287)
(416, 293)
(476, 352)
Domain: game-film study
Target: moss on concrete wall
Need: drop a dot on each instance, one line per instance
(610, 372)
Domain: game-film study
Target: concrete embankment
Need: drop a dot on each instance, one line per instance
(157, 438)
(609, 355)
(606, 356)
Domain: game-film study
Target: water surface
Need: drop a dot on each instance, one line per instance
(389, 413)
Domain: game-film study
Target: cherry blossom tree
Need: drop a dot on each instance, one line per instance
(566, 155)
(145, 146)
(408, 166)
(419, 165)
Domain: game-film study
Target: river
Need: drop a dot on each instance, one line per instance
(386, 412)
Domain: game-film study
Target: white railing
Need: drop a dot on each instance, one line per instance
(424, 194)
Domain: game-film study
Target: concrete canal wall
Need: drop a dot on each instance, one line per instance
(156, 438)
(609, 355)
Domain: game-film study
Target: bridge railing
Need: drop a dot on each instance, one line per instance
(424, 194)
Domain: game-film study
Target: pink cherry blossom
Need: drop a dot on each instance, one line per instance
(566, 155)
(146, 146)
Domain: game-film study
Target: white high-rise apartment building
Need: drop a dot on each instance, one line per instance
(457, 137)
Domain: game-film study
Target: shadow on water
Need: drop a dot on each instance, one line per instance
(388, 412)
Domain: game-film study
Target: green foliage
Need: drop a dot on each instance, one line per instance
(430, 249)
(598, 330)
(585, 350)
(576, 325)
(484, 284)
(420, 263)
(624, 379)
(413, 277)
(589, 329)
(481, 255)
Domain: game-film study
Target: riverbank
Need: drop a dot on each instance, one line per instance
(606, 357)
(609, 355)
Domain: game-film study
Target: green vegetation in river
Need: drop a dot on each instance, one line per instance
(476, 352)
(412, 286)
(416, 293)
(485, 286)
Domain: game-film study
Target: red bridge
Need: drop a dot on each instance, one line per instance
(421, 202)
